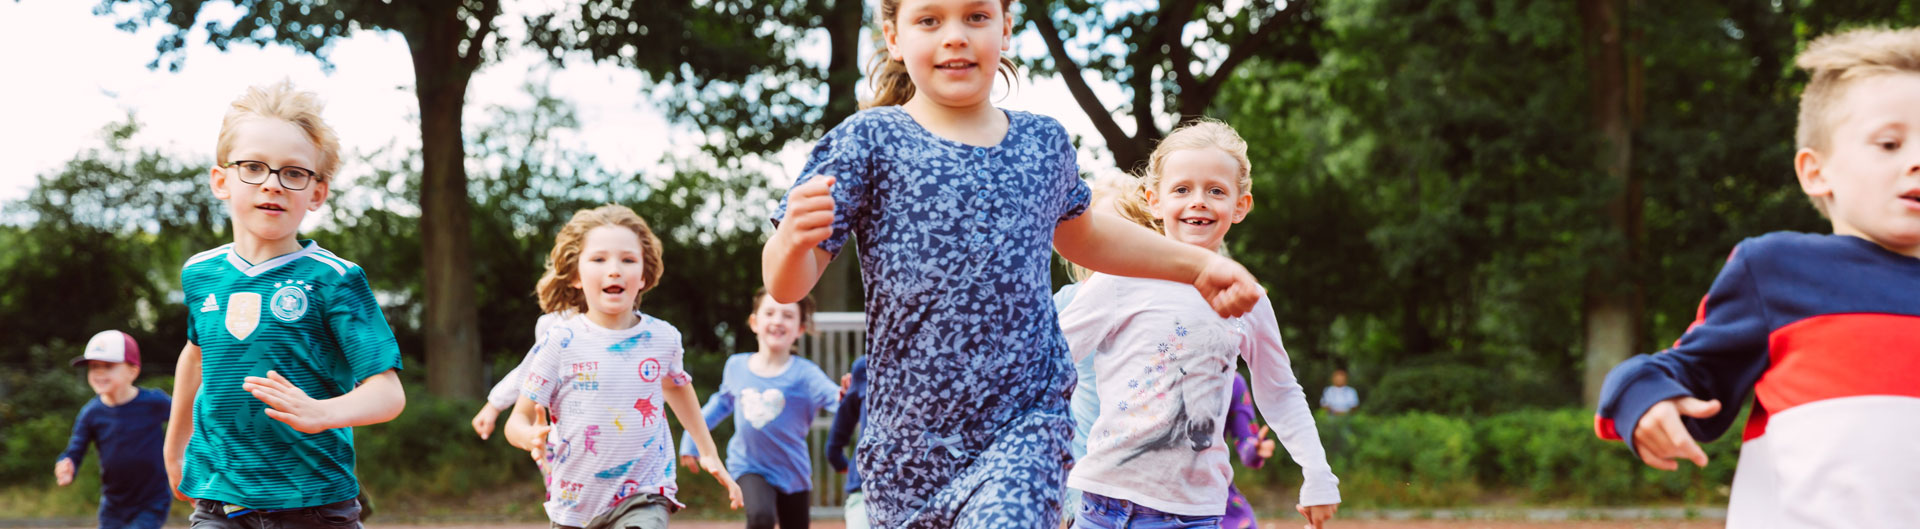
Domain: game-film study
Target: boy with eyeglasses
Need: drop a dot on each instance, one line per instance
(286, 348)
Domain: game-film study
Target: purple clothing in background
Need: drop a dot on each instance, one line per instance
(1240, 427)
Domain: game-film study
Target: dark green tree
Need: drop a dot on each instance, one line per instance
(737, 71)
(1147, 51)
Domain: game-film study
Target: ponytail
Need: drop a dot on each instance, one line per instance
(1127, 196)
(1130, 201)
(891, 86)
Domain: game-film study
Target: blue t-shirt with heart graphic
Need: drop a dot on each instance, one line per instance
(771, 417)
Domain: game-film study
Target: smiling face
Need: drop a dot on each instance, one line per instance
(108, 378)
(1870, 174)
(268, 213)
(1198, 197)
(951, 48)
(776, 325)
(610, 274)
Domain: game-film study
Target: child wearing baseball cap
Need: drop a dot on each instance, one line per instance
(127, 423)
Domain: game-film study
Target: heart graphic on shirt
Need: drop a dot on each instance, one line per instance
(760, 407)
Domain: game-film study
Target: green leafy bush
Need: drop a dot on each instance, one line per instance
(1422, 459)
(1454, 389)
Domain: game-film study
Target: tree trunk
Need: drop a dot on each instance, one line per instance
(843, 23)
(839, 286)
(452, 325)
(1613, 292)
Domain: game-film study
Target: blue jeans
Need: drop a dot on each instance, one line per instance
(152, 515)
(1101, 512)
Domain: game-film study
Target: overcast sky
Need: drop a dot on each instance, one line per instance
(73, 73)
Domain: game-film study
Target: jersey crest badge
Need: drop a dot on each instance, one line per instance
(290, 302)
(243, 314)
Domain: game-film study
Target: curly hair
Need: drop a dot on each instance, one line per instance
(556, 290)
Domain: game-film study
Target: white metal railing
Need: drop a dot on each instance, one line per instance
(838, 339)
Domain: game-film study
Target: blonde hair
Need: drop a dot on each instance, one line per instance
(888, 77)
(1121, 189)
(283, 102)
(1202, 133)
(556, 290)
(1836, 61)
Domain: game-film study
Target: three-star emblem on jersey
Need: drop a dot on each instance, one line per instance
(290, 300)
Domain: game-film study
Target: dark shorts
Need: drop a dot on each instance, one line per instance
(209, 514)
(645, 510)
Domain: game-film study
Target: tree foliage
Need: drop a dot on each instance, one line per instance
(448, 41)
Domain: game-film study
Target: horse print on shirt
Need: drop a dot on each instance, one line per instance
(1203, 360)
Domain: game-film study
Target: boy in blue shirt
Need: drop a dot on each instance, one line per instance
(126, 422)
(845, 422)
(287, 350)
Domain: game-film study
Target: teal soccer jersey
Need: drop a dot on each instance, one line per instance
(308, 315)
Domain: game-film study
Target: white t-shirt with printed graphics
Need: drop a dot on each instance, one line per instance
(1165, 377)
(602, 388)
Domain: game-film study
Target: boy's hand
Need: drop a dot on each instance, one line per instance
(483, 421)
(846, 383)
(838, 460)
(719, 472)
(1660, 438)
(63, 472)
(809, 214)
(1228, 287)
(688, 462)
(1317, 515)
(288, 404)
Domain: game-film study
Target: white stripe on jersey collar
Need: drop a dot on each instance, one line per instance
(252, 270)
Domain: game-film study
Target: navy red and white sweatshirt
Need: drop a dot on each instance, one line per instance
(1824, 332)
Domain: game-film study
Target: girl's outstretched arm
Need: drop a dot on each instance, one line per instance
(793, 261)
(1107, 244)
(719, 406)
(1283, 403)
(686, 407)
(523, 430)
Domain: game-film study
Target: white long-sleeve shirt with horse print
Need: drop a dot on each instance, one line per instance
(1165, 375)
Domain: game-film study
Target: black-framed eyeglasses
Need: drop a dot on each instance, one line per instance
(255, 173)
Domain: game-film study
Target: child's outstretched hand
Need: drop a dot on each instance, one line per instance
(1660, 438)
(1228, 287)
(483, 421)
(537, 444)
(809, 214)
(690, 463)
(1317, 515)
(63, 472)
(1265, 448)
(288, 404)
(719, 471)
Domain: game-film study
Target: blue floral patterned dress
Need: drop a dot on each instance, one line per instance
(966, 424)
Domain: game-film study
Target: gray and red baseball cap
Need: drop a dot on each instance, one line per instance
(111, 346)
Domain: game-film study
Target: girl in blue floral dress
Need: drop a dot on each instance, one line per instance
(958, 206)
